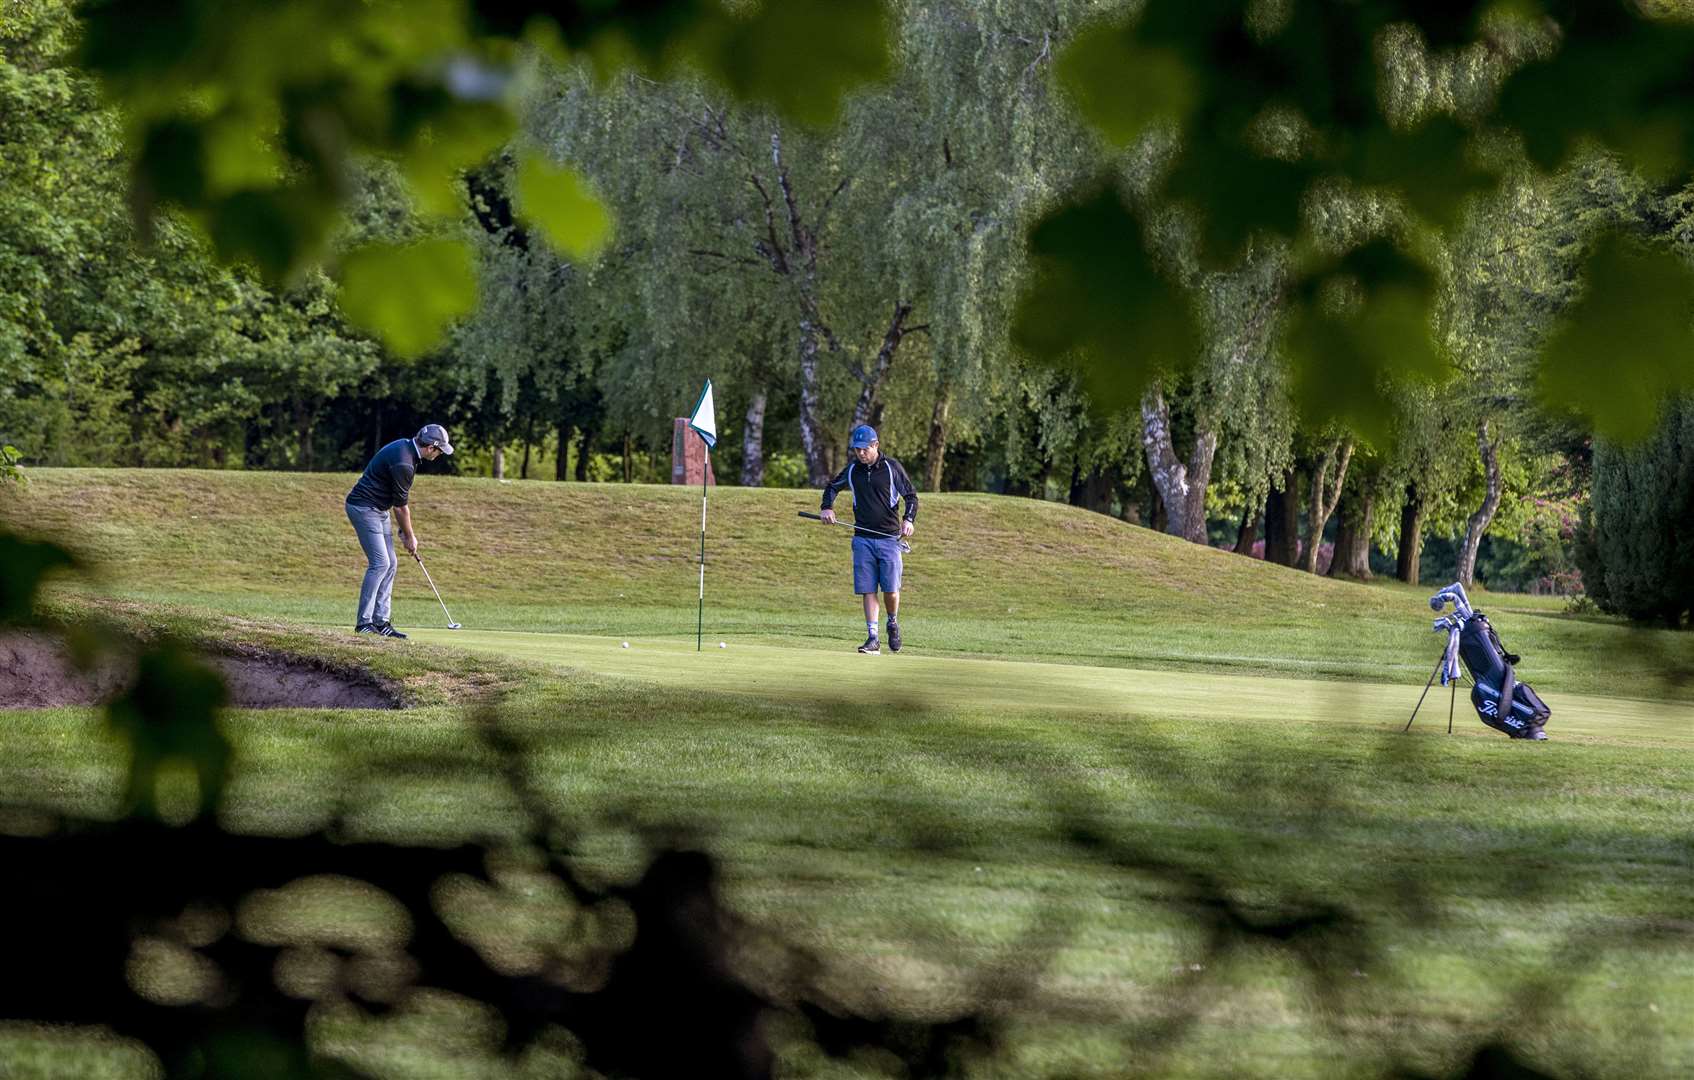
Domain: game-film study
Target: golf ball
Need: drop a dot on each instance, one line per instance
(626, 644)
(721, 645)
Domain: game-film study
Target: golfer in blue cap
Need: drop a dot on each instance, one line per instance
(387, 485)
(877, 483)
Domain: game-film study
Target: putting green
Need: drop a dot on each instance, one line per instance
(780, 673)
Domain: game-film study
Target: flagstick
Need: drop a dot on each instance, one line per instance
(700, 626)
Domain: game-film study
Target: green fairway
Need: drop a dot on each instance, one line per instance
(780, 674)
(1023, 797)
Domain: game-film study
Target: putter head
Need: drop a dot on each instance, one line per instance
(452, 626)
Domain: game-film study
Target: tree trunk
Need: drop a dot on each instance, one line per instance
(303, 431)
(562, 464)
(811, 428)
(1321, 502)
(934, 463)
(499, 463)
(1250, 518)
(528, 437)
(1181, 487)
(1478, 523)
(1411, 536)
(1352, 543)
(584, 448)
(1282, 521)
(628, 460)
(872, 380)
(1093, 491)
(753, 442)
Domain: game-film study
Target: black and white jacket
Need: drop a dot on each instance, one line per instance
(875, 489)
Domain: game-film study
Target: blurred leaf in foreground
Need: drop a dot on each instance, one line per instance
(558, 202)
(1355, 331)
(1625, 345)
(170, 716)
(409, 294)
(1098, 303)
(24, 564)
(1618, 78)
(801, 57)
(1126, 86)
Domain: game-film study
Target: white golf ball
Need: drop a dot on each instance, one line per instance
(626, 644)
(721, 645)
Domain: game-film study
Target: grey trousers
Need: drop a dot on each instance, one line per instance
(377, 592)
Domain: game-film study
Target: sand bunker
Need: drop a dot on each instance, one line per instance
(35, 673)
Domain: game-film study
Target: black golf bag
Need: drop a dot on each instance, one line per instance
(1491, 669)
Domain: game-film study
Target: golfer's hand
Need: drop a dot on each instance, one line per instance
(410, 541)
(906, 528)
(828, 517)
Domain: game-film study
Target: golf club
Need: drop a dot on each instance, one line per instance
(904, 546)
(451, 625)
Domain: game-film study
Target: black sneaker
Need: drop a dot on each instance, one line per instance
(387, 630)
(893, 636)
(366, 628)
(871, 645)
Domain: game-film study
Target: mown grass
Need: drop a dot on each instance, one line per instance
(990, 576)
(1012, 800)
(916, 844)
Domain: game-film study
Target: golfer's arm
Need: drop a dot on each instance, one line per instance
(833, 488)
(403, 517)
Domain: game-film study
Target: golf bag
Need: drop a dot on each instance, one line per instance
(1493, 671)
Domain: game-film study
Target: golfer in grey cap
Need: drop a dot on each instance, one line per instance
(387, 485)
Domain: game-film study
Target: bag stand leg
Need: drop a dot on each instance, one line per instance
(1452, 702)
(1442, 659)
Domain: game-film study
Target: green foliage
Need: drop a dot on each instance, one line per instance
(1623, 347)
(170, 717)
(1356, 331)
(1270, 102)
(1096, 300)
(24, 565)
(409, 293)
(1643, 522)
(10, 471)
(1617, 79)
(557, 203)
(799, 57)
(247, 116)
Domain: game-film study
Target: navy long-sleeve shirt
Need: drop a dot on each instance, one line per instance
(875, 490)
(387, 481)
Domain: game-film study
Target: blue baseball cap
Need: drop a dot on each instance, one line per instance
(863, 435)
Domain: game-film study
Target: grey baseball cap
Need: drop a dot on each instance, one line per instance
(434, 435)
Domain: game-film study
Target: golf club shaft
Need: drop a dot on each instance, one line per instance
(436, 591)
(861, 528)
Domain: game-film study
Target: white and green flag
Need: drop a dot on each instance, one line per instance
(704, 422)
(705, 418)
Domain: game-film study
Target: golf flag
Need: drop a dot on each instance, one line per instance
(705, 418)
(704, 422)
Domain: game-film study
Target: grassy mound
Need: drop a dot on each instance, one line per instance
(989, 575)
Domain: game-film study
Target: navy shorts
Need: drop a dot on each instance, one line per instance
(876, 565)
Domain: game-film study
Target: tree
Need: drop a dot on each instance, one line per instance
(1643, 522)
